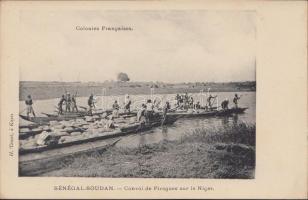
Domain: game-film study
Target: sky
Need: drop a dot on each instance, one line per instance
(168, 46)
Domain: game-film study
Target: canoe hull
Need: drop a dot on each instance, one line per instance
(209, 113)
(121, 132)
(51, 117)
(171, 118)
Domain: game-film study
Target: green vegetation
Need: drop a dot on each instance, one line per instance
(48, 90)
(227, 152)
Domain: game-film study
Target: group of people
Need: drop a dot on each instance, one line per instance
(183, 101)
(66, 100)
(147, 112)
(116, 106)
(225, 103)
(69, 101)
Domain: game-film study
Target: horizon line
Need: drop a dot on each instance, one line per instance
(140, 81)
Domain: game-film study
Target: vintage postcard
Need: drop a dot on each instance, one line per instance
(153, 99)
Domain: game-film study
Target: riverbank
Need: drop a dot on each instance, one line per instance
(48, 90)
(227, 152)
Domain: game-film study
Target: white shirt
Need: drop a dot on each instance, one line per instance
(149, 106)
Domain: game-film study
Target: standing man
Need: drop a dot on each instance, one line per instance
(181, 102)
(68, 102)
(128, 103)
(235, 100)
(165, 111)
(60, 104)
(209, 101)
(177, 98)
(191, 102)
(29, 104)
(186, 101)
(74, 103)
(141, 112)
(115, 107)
(149, 110)
(91, 103)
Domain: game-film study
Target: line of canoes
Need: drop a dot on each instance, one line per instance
(182, 114)
(123, 129)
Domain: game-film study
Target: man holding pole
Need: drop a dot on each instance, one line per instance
(235, 100)
(74, 103)
(209, 101)
(166, 107)
(91, 103)
(128, 103)
(68, 102)
(29, 104)
(60, 104)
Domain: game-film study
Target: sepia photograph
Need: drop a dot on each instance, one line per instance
(138, 94)
(153, 99)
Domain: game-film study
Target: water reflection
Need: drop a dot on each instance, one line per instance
(164, 132)
(142, 139)
(225, 121)
(230, 120)
(186, 126)
(180, 128)
(235, 119)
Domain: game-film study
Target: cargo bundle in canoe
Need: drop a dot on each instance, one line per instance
(25, 133)
(120, 131)
(79, 113)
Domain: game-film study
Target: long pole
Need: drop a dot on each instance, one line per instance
(200, 97)
(103, 98)
(208, 94)
(152, 93)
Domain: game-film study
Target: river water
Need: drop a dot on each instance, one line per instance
(172, 132)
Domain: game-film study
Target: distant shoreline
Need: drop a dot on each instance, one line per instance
(49, 90)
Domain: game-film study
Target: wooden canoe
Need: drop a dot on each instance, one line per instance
(122, 131)
(79, 113)
(213, 113)
(51, 117)
(33, 132)
(35, 164)
(44, 120)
